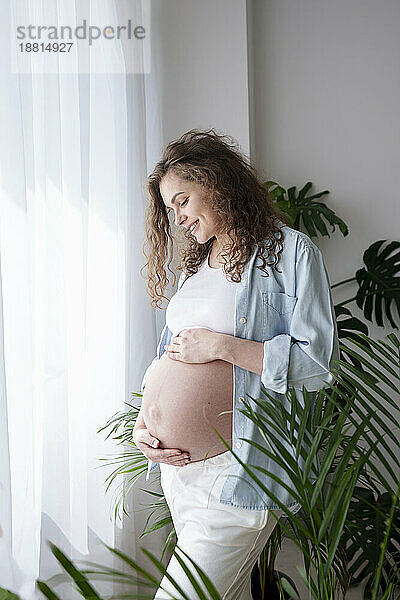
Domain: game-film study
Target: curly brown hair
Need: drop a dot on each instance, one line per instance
(242, 204)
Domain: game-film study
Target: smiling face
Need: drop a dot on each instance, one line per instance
(189, 201)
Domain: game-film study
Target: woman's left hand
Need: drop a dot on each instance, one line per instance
(194, 345)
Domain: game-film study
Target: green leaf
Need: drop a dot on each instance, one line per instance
(8, 595)
(81, 581)
(44, 588)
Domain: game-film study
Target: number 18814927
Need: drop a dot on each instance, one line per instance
(42, 47)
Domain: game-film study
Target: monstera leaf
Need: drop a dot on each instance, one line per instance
(379, 281)
(349, 326)
(365, 528)
(305, 208)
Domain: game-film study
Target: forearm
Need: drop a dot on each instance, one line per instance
(246, 354)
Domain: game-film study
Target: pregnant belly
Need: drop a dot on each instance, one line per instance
(183, 401)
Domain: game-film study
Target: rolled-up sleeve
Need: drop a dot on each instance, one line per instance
(305, 356)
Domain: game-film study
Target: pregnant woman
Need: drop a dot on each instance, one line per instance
(235, 324)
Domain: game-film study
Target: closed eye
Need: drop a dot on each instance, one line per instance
(181, 204)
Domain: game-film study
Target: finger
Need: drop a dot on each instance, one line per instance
(146, 438)
(145, 449)
(182, 463)
(169, 456)
(178, 460)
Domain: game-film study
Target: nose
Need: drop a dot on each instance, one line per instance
(179, 219)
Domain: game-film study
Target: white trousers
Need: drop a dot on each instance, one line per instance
(223, 540)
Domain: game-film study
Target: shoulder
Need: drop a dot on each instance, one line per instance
(298, 242)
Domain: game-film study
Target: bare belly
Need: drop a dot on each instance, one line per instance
(183, 401)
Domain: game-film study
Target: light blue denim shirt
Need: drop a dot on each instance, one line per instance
(291, 312)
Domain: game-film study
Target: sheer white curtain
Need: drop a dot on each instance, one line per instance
(76, 327)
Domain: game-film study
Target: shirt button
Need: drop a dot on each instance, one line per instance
(238, 444)
(242, 320)
(241, 399)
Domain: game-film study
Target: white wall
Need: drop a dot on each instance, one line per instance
(326, 101)
(203, 65)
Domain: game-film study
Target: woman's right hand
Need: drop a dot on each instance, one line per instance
(149, 446)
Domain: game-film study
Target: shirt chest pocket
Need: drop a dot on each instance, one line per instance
(278, 310)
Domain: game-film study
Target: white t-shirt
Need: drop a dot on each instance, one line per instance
(207, 299)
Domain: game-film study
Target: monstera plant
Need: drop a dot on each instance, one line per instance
(348, 528)
(378, 284)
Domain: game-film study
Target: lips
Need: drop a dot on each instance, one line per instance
(193, 226)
